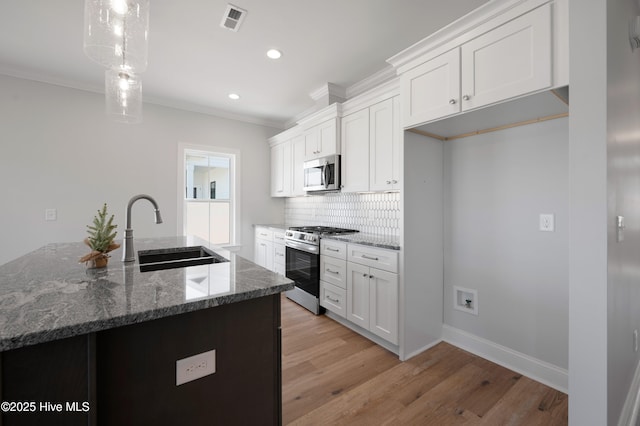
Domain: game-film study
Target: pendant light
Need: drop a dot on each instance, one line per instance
(123, 96)
(116, 33)
(115, 36)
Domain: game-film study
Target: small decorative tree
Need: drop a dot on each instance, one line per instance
(100, 239)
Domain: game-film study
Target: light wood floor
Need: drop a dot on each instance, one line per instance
(333, 376)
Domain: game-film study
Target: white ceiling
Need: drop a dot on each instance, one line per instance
(194, 63)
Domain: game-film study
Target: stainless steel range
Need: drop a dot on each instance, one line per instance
(303, 263)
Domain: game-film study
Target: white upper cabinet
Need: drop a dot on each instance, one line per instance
(281, 169)
(371, 147)
(511, 60)
(321, 140)
(432, 90)
(297, 154)
(384, 146)
(355, 152)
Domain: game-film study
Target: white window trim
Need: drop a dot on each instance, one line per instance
(234, 186)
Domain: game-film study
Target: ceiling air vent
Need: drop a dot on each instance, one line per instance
(233, 17)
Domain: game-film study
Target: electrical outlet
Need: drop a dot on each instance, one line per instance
(547, 222)
(195, 367)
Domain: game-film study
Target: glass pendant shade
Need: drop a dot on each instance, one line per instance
(116, 33)
(123, 95)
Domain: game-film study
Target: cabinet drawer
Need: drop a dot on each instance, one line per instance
(387, 260)
(333, 271)
(278, 237)
(337, 249)
(264, 234)
(279, 254)
(333, 298)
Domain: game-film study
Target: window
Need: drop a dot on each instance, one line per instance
(208, 195)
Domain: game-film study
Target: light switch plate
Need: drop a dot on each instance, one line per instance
(547, 223)
(50, 214)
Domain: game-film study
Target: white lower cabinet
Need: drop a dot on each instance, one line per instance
(269, 249)
(360, 284)
(372, 300)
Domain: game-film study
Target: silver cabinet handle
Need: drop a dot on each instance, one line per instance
(394, 181)
(364, 256)
(365, 275)
(452, 101)
(280, 254)
(332, 272)
(388, 182)
(332, 249)
(333, 300)
(263, 244)
(466, 97)
(371, 276)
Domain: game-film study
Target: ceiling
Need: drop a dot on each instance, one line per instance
(194, 63)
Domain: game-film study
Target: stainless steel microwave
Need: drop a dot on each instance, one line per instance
(322, 174)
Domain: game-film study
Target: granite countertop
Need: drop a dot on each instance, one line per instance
(382, 241)
(47, 295)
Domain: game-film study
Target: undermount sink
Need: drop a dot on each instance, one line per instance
(177, 257)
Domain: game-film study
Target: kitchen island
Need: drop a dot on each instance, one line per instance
(99, 346)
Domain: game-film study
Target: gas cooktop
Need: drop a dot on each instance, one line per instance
(322, 230)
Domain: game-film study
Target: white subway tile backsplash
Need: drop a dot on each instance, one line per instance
(371, 213)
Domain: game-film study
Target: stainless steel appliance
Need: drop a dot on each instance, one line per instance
(322, 174)
(302, 246)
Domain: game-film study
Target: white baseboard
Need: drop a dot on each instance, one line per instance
(629, 414)
(404, 357)
(541, 371)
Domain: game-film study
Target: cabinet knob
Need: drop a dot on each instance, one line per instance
(370, 276)
(365, 275)
(452, 101)
(466, 97)
(388, 182)
(394, 181)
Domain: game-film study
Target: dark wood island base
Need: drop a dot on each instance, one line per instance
(127, 375)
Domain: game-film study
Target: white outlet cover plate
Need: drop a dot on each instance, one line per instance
(50, 214)
(547, 223)
(195, 367)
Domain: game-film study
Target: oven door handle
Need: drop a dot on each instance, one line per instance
(302, 247)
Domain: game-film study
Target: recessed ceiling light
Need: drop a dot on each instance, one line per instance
(274, 54)
(234, 96)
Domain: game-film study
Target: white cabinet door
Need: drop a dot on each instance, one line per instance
(384, 146)
(264, 253)
(281, 170)
(383, 295)
(511, 60)
(358, 294)
(321, 140)
(431, 90)
(297, 172)
(355, 151)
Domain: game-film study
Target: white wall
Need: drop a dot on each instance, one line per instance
(59, 150)
(495, 187)
(623, 169)
(588, 214)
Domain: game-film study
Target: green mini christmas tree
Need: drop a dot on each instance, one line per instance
(100, 239)
(102, 232)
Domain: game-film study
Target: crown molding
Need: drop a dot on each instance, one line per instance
(328, 89)
(478, 20)
(374, 80)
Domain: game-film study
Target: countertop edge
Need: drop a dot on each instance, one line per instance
(34, 338)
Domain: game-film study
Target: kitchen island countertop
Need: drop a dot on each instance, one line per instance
(47, 295)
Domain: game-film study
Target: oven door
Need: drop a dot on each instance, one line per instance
(303, 268)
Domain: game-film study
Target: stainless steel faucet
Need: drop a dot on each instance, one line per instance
(128, 255)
